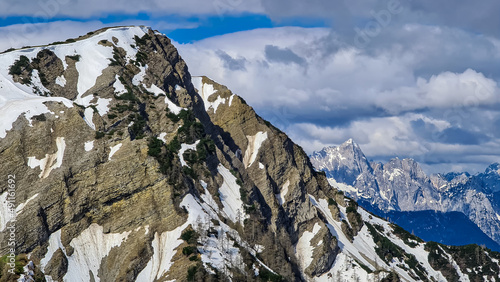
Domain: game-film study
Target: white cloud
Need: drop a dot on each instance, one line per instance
(91, 8)
(20, 35)
(371, 95)
(374, 96)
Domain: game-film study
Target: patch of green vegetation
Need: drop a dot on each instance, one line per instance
(190, 156)
(142, 40)
(20, 262)
(75, 58)
(99, 134)
(154, 147)
(352, 207)
(70, 40)
(387, 250)
(120, 108)
(173, 117)
(266, 275)
(9, 50)
(136, 130)
(188, 171)
(243, 195)
(189, 250)
(26, 81)
(40, 117)
(127, 96)
(331, 202)
(205, 147)
(112, 116)
(20, 65)
(174, 146)
(193, 258)
(141, 59)
(409, 239)
(379, 227)
(363, 266)
(190, 236)
(249, 209)
(191, 272)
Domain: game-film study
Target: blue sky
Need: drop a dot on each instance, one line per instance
(402, 78)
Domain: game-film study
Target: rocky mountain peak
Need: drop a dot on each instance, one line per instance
(493, 169)
(345, 161)
(402, 185)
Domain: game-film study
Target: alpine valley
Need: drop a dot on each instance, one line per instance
(128, 169)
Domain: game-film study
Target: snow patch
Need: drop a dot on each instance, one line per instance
(184, 148)
(164, 249)
(281, 196)
(87, 116)
(37, 83)
(114, 149)
(138, 78)
(89, 145)
(162, 137)
(11, 109)
(21, 206)
(206, 90)
(5, 211)
(261, 166)
(155, 90)
(119, 87)
(61, 81)
(103, 106)
(254, 143)
(90, 247)
(51, 161)
(54, 244)
(172, 107)
(230, 196)
(304, 249)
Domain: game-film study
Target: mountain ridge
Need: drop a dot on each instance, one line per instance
(130, 169)
(402, 185)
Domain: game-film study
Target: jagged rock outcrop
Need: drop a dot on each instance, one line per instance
(129, 169)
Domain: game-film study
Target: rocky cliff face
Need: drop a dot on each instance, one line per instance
(401, 185)
(129, 169)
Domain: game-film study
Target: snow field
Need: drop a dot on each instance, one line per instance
(254, 144)
(51, 161)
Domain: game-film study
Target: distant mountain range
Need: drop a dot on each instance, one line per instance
(402, 192)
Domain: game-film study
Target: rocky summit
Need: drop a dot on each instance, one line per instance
(120, 166)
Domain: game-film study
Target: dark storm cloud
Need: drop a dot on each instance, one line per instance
(230, 62)
(282, 55)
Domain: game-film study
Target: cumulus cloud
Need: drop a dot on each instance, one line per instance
(433, 95)
(92, 8)
(19, 35)
(322, 94)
